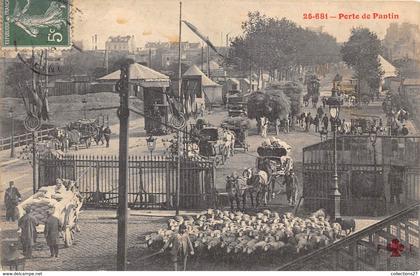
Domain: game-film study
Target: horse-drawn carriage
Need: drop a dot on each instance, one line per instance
(216, 143)
(239, 127)
(81, 132)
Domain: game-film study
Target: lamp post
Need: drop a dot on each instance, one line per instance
(12, 139)
(84, 101)
(151, 144)
(334, 105)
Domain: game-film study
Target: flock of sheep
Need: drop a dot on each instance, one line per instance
(235, 233)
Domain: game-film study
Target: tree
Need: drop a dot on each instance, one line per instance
(361, 53)
(271, 43)
(17, 74)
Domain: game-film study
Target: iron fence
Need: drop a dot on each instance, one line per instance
(152, 180)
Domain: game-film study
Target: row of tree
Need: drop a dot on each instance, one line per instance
(271, 44)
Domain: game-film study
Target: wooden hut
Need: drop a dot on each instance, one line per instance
(150, 86)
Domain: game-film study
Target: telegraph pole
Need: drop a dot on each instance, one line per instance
(178, 169)
(123, 114)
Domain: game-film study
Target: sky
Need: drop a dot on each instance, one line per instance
(157, 20)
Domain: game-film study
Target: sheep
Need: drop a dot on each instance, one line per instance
(347, 225)
(274, 245)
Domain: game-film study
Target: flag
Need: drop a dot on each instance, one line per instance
(200, 35)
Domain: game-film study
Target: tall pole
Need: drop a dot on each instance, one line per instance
(123, 114)
(150, 57)
(202, 58)
(335, 193)
(250, 75)
(12, 139)
(34, 163)
(208, 60)
(178, 182)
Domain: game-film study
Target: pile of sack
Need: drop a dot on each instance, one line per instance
(48, 198)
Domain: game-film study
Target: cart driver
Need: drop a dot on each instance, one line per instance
(59, 187)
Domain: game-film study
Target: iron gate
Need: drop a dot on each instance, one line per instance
(152, 181)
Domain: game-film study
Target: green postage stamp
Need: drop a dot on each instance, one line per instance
(36, 23)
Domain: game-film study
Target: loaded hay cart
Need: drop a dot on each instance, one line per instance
(64, 203)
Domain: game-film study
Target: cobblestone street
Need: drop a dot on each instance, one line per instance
(95, 245)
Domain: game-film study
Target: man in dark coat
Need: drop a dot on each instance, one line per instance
(325, 121)
(291, 183)
(316, 123)
(107, 135)
(11, 200)
(181, 246)
(396, 183)
(320, 112)
(51, 232)
(28, 224)
(308, 121)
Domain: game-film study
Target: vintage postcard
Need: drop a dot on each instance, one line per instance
(198, 135)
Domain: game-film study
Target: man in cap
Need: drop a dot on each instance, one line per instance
(181, 246)
(11, 200)
(27, 223)
(291, 183)
(59, 187)
(51, 232)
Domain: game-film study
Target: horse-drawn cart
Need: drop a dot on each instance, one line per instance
(214, 144)
(88, 129)
(63, 203)
(239, 126)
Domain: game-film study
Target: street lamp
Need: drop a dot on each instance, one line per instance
(151, 144)
(334, 105)
(12, 139)
(84, 101)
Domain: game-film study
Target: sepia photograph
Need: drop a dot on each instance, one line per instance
(209, 135)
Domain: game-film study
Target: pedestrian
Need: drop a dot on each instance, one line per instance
(27, 223)
(100, 137)
(264, 127)
(396, 182)
(278, 126)
(291, 183)
(308, 121)
(325, 122)
(320, 111)
(324, 102)
(181, 247)
(323, 134)
(316, 123)
(107, 135)
(11, 200)
(51, 233)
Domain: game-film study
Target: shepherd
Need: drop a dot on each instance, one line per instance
(51, 232)
(28, 224)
